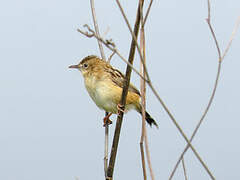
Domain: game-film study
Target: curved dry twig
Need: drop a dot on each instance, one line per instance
(215, 84)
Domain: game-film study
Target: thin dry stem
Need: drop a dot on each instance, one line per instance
(110, 57)
(149, 158)
(97, 29)
(143, 92)
(209, 10)
(123, 100)
(216, 81)
(143, 133)
(106, 139)
(147, 13)
(215, 39)
(212, 31)
(143, 99)
(134, 37)
(143, 161)
(232, 37)
(158, 97)
(184, 169)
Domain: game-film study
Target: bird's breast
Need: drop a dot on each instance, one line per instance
(102, 93)
(107, 95)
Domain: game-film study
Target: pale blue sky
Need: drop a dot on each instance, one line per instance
(50, 128)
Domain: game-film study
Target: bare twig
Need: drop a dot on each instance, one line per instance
(106, 113)
(158, 97)
(215, 39)
(184, 169)
(143, 96)
(209, 9)
(143, 159)
(133, 36)
(147, 13)
(86, 33)
(97, 29)
(231, 38)
(110, 57)
(123, 100)
(216, 80)
(142, 148)
(143, 93)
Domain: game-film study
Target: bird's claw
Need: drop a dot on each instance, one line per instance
(120, 109)
(106, 120)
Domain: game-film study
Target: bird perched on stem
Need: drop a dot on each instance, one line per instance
(104, 84)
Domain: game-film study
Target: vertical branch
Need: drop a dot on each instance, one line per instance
(97, 29)
(123, 100)
(184, 169)
(106, 113)
(143, 159)
(143, 92)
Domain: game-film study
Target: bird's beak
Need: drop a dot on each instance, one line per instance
(74, 66)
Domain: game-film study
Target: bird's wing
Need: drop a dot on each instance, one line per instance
(118, 79)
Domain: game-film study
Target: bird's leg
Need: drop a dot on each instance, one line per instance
(120, 109)
(106, 120)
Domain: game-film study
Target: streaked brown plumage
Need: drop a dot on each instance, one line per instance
(104, 84)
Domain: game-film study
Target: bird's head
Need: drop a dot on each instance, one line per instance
(87, 64)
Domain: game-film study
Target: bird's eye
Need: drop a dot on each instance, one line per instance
(85, 65)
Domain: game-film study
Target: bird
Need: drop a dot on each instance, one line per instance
(104, 84)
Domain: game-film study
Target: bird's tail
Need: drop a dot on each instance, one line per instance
(148, 117)
(150, 120)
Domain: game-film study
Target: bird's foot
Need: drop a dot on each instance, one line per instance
(106, 120)
(120, 109)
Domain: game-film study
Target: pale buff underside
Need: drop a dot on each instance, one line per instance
(107, 95)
